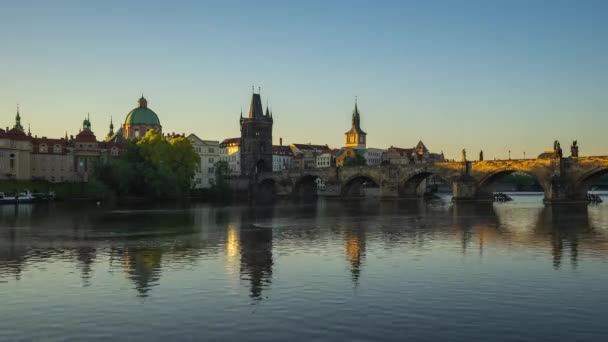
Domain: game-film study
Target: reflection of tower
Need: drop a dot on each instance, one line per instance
(13, 256)
(355, 252)
(256, 258)
(86, 257)
(143, 267)
(232, 247)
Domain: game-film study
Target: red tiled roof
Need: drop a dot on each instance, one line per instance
(282, 150)
(310, 147)
(16, 134)
(402, 151)
(86, 136)
(50, 143)
(231, 141)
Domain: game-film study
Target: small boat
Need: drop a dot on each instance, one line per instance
(19, 197)
(501, 197)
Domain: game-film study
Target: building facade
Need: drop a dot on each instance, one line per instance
(15, 152)
(282, 158)
(325, 160)
(373, 156)
(230, 152)
(209, 154)
(256, 139)
(305, 155)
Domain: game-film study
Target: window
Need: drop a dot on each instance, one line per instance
(57, 149)
(137, 133)
(12, 161)
(210, 170)
(210, 160)
(42, 148)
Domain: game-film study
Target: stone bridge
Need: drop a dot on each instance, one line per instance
(562, 179)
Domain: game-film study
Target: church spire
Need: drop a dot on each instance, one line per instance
(356, 116)
(18, 121)
(111, 133)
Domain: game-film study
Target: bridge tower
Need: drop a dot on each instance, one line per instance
(256, 139)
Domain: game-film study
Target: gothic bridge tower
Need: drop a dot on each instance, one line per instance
(256, 139)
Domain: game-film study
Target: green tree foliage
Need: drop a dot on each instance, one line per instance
(221, 189)
(356, 160)
(152, 167)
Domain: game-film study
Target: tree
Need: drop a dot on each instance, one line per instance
(355, 160)
(151, 167)
(220, 188)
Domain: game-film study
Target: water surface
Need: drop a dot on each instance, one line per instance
(351, 271)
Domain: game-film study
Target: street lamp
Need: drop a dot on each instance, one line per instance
(509, 154)
(524, 154)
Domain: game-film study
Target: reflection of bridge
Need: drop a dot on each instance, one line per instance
(562, 179)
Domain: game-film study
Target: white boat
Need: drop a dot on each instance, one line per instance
(20, 197)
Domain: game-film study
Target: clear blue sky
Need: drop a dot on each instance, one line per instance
(491, 75)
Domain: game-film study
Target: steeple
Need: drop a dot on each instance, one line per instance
(356, 116)
(86, 123)
(356, 137)
(255, 108)
(18, 121)
(111, 132)
(29, 133)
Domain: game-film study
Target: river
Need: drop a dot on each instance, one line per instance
(329, 271)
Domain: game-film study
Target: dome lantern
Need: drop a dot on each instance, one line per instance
(143, 103)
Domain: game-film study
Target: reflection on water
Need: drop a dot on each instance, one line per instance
(298, 257)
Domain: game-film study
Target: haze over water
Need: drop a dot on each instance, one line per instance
(361, 270)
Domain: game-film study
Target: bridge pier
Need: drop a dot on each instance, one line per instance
(464, 189)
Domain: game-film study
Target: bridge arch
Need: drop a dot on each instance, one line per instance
(485, 186)
(584, 183)
(409, 185)
(305, 187)
(266, 190)
(359, 185)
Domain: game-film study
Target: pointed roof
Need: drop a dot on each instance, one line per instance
(18, 125)
(255, 108)
(356, 122)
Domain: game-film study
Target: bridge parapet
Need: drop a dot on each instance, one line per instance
(561, 179)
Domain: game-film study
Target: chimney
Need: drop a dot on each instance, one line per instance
(280, 141)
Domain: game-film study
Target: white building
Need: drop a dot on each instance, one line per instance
(230, 153)
(373, 156)
(282, 158)
(209, 153)
(324, 160)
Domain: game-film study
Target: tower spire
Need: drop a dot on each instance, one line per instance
(111, 133)
(18, 120)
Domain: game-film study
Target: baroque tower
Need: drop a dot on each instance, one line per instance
(355, 137)
(256, 139)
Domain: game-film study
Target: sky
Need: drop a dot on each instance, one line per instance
(492, 75)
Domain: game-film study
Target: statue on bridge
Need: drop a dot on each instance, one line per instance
(481, 155)
(557, 149)
(574, 149)
(464, 155)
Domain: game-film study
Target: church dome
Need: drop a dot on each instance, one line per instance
(142, 115)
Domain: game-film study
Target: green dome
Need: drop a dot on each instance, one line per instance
(142, 115)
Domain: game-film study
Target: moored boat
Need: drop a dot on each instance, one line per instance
(18, 197)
